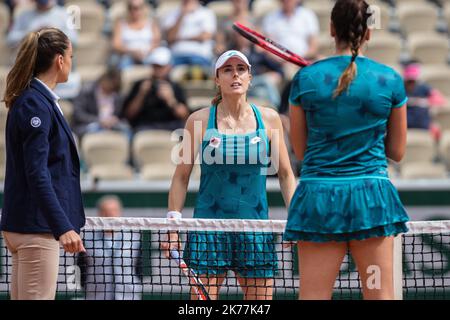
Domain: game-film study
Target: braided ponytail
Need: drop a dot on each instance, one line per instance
(350, 18)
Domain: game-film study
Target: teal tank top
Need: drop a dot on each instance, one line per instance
(346, 135)
(233, 173)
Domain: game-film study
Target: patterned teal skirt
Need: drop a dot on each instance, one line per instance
(339, 210)
(249, 254)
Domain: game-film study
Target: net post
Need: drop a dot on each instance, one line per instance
(398, 268)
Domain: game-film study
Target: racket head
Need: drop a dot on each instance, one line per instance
(269, 45)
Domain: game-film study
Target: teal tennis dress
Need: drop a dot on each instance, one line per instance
(344, 191)
(233, 186)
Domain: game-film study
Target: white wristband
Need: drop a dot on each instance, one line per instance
(174, 215)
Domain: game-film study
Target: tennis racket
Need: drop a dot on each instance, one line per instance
(269, 45)
(194, 280)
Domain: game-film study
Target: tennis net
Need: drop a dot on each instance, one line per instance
(124, 261)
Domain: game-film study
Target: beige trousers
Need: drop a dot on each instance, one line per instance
(35, 262)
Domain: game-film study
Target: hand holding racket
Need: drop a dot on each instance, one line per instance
(194, 280)
(269, 45)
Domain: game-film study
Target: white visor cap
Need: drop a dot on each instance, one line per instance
(228, 55)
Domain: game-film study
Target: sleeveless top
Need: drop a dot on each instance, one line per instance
(233, 172)
(137, 39)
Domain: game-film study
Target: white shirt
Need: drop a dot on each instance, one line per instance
(137, 39)
(292, 32)
(33, 20)
(193, 24)
(54, 96)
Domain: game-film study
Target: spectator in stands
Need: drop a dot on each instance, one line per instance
(14, 4)
(267, 72)
(46, 13)
(190, 30)
(99, 106)
(156, 103)
(135, 37)
(226, 37)
(294, 26)
(111, 266)
(421, 97)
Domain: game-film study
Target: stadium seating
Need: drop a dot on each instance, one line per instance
(67, 109)
(84, 53)
(90, 64)
(133, 74)
(326, 45)
(3, 115)
(197, 88)
(384, 47)
(429, 48)
(437, 77)
(442, 118)
(4, 18)
(92, 18)
(164, 8)
(444, 148)
(6, 57)
(419, 147)
(322, 9)
(106, 154)
(2, 158)
(222, 9)
(446, 14)
(423, 170)
(3, 74)
(195, 103)
(417, 16)
(261, 8)
(119, 10)
(152, 152)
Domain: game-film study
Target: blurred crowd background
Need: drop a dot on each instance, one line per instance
(141, 67)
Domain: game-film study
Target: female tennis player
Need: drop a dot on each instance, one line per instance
(348, 114)
(42, 197)
(236, 144)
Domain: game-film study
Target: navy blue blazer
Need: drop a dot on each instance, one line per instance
(42, 180)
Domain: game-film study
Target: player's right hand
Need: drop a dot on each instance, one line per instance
(173, 242)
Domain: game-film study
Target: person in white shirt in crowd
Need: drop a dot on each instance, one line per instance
(190, 30)
(111, 266)
(295, 27)
(135, 37)
(46, 13)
